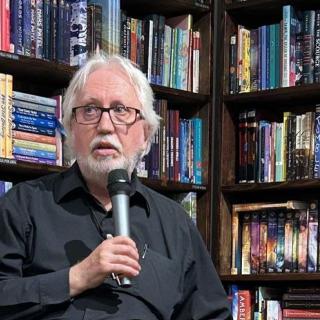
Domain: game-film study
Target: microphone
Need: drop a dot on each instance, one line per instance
(119, 190)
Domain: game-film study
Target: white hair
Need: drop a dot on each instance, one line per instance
(137, 78)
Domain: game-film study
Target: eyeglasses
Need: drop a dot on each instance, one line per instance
(119, 114)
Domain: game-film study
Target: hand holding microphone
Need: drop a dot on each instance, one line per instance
(116, 255)
(119, 191)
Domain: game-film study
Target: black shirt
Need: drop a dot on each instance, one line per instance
(49, 224)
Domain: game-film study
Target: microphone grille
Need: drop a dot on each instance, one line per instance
(118, 182)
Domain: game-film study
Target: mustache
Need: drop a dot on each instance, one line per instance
(106, 139)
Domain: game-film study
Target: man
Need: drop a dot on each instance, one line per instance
(59, 256)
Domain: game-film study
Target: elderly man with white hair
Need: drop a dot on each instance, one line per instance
(59, 255)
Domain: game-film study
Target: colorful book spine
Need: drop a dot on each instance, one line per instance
(33, 106)
(34, 98)
(33, 129)
(8, 116)
(34, 145)
(78, 35)
(280, 241)
(313, 225)
(308, 46)
(2, 115)
(246, 244)
(288, 241)
(303, 241)
(33, 121)
(317, 48)
(34, 153)
(39, 29)
(33, 137)
(34, 159)
(279, 153)
(27, 27)
(263, 236)
(316, 164)
(197, 141)
(233, 88)
(288, 43)
(32, 113)
(255, 242)
(272, 241)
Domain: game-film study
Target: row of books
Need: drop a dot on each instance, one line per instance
(277, 55)
(66, 30)
(5, 186)
(29, 127)
(275, 237)
(176, 151)
(167, 50)
(265, 303)
(271, 151)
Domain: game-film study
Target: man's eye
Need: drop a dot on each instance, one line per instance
(119, 108)
(90, 109)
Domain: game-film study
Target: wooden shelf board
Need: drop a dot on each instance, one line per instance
(285, 96)
(175, 96)
(271, 186)
(19, 66)
(11, 167)
(271, 277)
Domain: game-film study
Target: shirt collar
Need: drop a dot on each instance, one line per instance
(71, 181)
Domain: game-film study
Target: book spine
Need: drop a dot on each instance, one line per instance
(303, 241)
(263, 236)
(317, 47)
(243, 150)
(27, 27)
(46, 29)
(33, 129)
(66, 33)
(34, 98)
(316, 165)
(245, 305)
(8, 116)
(233, 63)
(197, 162)
(32, 113)
(272, 241)
(34, 159)
(78, 34)
(308, 46)
(246, 244)
(39, 29)
(288, 242)
(313, 225)
(33, 107)
(19, 38)
(34, 145)
(33, 28)
(33, 121)
(255, 242)
(299, 53)
(2, 114)
(33, 137)
(278, 153)
(60, 30)
(34, 153)
(280, 242)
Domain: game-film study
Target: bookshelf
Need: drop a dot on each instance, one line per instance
(252, 14)
(49, 78)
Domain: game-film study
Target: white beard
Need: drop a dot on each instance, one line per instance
(96, 170)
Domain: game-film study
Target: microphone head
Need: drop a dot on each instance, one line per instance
(118, 182)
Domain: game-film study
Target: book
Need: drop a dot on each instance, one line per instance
(8, 115)
(34, 98)
(313, 225)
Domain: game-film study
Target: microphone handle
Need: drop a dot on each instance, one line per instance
(120, 208)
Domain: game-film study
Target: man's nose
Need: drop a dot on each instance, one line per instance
(105, 124)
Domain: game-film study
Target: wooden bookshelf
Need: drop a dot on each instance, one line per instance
(252, 13)
(48, 78)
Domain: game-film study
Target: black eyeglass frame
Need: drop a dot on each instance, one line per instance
(102, 109)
